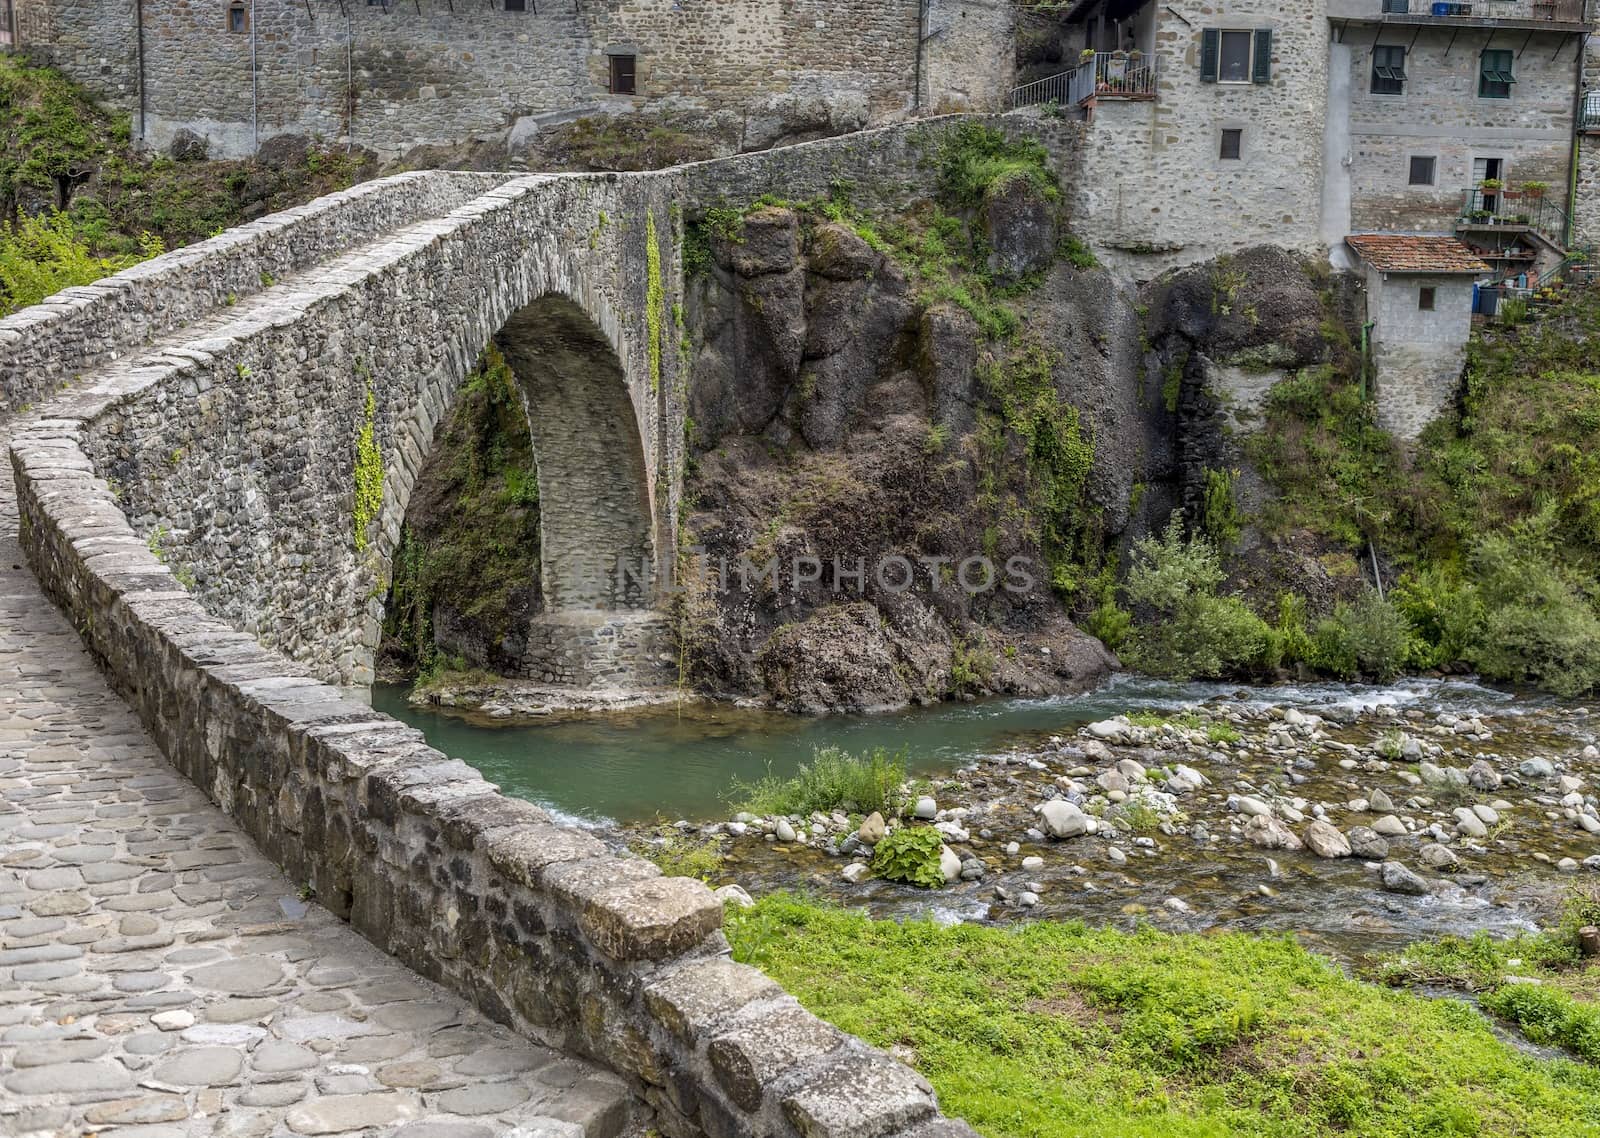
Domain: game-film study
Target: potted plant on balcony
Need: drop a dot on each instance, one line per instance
(1086, 55)
(1490, 185)
(1535, 189)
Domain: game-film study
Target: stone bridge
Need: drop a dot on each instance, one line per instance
(213, 453)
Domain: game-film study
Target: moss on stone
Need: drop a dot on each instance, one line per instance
(368, 471)
(655, 305)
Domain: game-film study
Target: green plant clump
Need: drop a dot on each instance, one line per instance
(1055, 1030)
(910, 854)
(681, 855)
(40, 256)
(368, 472)
(832, 780)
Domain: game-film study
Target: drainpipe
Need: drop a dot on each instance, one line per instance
(138, 15)
(349, 85)
(922, 36)
(1574, 158)
(255, 91)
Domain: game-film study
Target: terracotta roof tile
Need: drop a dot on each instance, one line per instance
(1416, 253)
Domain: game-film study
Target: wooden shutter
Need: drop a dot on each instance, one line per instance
(1263, 61)
(1210, 49)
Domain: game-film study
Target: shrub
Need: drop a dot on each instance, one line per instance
(1186, 630)
(681, 855)
(1364, 637)
(976, 161)
(910, 854)
(1220, 515)
(1445, 614)
(832, 780)
(1538, 628)
(40, 256)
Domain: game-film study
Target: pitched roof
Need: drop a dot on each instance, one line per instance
(1416, 253)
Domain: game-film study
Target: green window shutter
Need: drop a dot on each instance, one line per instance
(1210, 49)
(1263, 61)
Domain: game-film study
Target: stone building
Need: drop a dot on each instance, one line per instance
(392, 74)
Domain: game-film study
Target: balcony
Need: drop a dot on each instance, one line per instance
(1534, 15)
(1101, 75)
(1589, 113)
(1508, 211)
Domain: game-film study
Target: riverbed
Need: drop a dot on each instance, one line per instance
(1198, 867)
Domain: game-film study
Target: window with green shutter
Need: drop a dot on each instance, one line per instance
(1235, 55)
(1494, 74)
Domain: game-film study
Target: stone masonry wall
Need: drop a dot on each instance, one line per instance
(79, 329)
(1586, 216)
(1440, 115)
(536, 924)
(1153, 191)
(1418, 354)
(427, 71)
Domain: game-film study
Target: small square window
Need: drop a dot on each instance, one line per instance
(1232, 145)
(238, 19)
(1423, 169)
(1233, 62)
(1388, 70)
(1425, 299)
(622, 75)
(516, 5)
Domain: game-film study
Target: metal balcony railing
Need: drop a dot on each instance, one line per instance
(1589, 112)
(1511, 207)
(1560, 11)
(1106, 74)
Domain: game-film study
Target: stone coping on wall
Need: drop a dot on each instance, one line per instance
(44, 347)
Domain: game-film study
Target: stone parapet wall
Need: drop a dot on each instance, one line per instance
(537, 924)
(79, 329)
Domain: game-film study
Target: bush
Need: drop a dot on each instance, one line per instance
(910, 854)
(40, 256)
(1538, 627)
(1185, 630)
(1366, 637)
(832, 780)
(976, 161)
(1445, 614)
(681, 855)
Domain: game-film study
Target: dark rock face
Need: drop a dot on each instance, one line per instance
(187, 146)
(835, 429)
(1021, 228)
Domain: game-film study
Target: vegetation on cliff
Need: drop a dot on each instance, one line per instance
(1051, 1030)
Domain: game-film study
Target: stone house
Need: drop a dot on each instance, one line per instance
(1419, 291)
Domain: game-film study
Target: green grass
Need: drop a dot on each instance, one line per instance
(678, 854)
(832, 780)
(1057, 1031)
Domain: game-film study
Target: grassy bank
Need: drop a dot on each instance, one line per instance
(1056, 1030)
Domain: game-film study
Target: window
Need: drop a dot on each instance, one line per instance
(238, 19)
(1236, 55)
(1423, 168)
(1388, 70)
(1425, 299)
(1494, 74)
(1232, 145)
(516, 5)
(622, 75)
(1396, 7)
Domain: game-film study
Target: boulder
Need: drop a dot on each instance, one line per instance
(1325, 840)
(1396, 878)
(1482, 776)
(1019, 224)
(872, 829)
(1439, 857)
(949, 864)
(734, 895)
(1365, 842)
(1062, 819)
(1390, 827)
(1270, 834)
(187, 146)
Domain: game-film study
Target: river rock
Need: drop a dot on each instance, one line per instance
(1131, 769)
(1113, 782)
(1379, 802)
(1032, 863)
(1488, 815)
(1396, 878)
(734, 895)
(1270, 834)
(856, 872)
(1468, 824)
(1390, 826)
(1591, 753)
(1482, 776)
(1439, 857)
(1589, 823)
(927, 809)
(1365, 842)
(949, 864)
(1107, 729)
(784, 831)
(1325, 840)
(1253, 807)
(1062, 819)
(872, 829)
(1537, 768)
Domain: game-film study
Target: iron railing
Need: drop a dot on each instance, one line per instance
(1513, 207)
(1107, 74)
(1559, 11)
(1589, 112)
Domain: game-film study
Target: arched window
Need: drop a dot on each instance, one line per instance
(238, 18)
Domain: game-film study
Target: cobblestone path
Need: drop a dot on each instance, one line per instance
(158, 977)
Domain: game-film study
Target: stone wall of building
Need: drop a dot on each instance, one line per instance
(1418, 354)
(1440, 115)
(389, 77)
(1586, 215)
(1153, 190)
